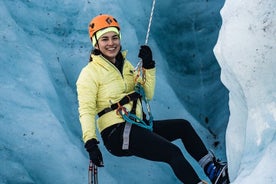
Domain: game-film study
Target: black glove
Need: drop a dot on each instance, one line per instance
(95, 154)
(146, 55)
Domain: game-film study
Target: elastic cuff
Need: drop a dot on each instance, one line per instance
(206, 159)
(149, 65)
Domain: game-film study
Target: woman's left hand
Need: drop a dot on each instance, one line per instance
(146, 55)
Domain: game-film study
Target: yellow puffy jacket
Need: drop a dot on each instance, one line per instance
(101, 84)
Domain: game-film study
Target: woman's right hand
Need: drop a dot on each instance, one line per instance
(95, 154)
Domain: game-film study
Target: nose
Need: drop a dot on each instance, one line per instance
(110, 42)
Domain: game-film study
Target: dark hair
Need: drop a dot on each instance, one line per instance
(94, 52)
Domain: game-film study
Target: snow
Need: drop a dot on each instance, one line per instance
(201, 57)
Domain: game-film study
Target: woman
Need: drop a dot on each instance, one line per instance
(110, 87)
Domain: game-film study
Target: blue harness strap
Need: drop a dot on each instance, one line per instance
(130, 117)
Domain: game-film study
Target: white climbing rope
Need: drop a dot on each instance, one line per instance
(139, 65)
(150, 20)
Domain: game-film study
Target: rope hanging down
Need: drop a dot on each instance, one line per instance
(139, 65)
(138, 86)
(150, 20)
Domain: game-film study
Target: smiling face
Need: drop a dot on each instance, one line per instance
(109, 45)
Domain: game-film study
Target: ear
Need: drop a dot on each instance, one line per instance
(96, 46)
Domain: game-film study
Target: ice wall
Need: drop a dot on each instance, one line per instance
(44, 45)
(246, 52)
(187, 31)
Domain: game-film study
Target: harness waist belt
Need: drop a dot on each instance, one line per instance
(123, 101)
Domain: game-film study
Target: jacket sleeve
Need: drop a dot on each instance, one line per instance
(149, 85)
(87, 92)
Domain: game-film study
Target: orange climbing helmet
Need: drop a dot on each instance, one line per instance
(100, 22)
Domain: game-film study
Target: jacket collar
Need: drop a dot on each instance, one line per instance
(103, 61)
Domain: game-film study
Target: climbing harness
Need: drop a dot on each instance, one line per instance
(128, 98)
(92, 173)
(130, 117)
(126, 133)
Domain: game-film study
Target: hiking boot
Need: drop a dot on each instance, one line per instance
(217, 172)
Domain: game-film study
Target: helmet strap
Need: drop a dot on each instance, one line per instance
(97, 41)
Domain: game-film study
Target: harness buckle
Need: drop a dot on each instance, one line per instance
(121, 110)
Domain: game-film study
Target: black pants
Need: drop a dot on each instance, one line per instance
(156, 145)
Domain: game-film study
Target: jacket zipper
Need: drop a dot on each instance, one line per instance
(116, 69)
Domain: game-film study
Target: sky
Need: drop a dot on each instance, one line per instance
(214, 63)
